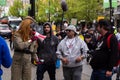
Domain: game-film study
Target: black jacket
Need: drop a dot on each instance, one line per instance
(104, 58)
(48, 47)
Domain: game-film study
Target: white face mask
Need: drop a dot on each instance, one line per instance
(65, 25)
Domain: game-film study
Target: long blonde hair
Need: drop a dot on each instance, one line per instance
(24, 29)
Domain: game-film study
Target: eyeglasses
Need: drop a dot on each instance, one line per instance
(68, 30)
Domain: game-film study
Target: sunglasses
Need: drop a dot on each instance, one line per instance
(68, 30)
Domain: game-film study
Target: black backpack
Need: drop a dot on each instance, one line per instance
(108, 45)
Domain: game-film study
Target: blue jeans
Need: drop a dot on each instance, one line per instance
(99, 75)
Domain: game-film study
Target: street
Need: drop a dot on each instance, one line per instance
(59, 75)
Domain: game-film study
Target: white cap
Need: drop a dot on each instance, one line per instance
(71, 27)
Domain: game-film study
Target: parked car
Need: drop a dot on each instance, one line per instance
(14, 22)
(5, 30)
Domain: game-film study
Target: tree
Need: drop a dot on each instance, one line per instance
(80, 9)
(43, 8)
(83, 9)
(16, 8)
(0, 10)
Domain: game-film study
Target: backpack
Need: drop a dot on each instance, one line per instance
(108, 45)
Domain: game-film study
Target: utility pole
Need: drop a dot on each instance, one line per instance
(32, 10)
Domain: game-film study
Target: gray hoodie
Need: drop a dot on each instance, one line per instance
(80, 48)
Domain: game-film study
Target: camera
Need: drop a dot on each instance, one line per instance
(89, 56)
(41, 60)
(90, 52)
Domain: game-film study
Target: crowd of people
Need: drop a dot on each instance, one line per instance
(71, 45)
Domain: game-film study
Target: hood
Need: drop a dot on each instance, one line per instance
(47, 23)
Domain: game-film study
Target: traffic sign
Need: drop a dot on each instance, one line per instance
(106, 3)
(2, 2)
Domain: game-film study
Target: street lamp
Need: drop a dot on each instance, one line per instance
(32, 11)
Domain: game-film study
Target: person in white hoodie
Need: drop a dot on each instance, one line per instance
(71, 51)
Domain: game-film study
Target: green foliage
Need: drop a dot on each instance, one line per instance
(83, 9)
(45, 8)
(87, 10)
(16, 8)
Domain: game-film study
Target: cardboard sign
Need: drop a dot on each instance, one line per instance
(74, 21)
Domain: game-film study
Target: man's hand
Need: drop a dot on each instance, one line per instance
(80, 58)
(108, 73)
(65, 60)
(29, 40)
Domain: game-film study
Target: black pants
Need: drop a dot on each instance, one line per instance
(42, 68)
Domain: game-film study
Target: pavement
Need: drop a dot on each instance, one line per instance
(59, 74)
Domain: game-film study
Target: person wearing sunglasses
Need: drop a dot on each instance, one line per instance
(71, 51)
